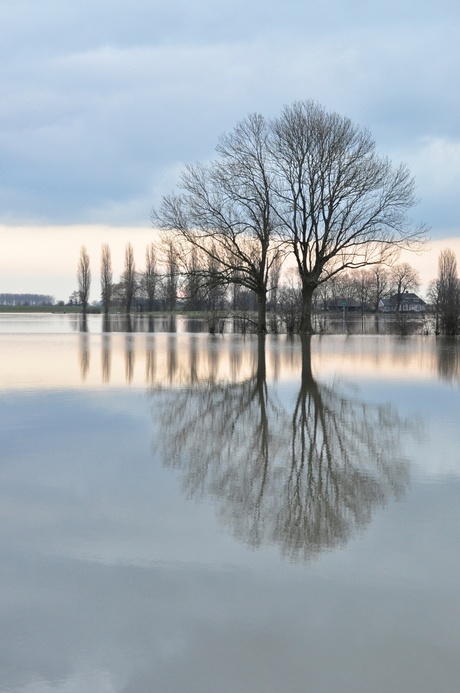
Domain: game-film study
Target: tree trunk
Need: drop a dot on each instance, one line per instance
(307, 373)
(262, 313)
(261, 368)
(306, 325)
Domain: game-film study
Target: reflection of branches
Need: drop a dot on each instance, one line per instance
(344, 462)
(219, 436)
(304, 481)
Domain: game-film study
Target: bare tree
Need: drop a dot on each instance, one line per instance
(193, 268)
(274, 281)
(361, 287)
(339, 205)
(225, 210)
(128, 278)
(403, 278)
(379, 285)
(448, 293)
(84, 278)
(311, 179)
(171, 275)
(290, 301)
(339, 288)
(106, 277)
(150, 277)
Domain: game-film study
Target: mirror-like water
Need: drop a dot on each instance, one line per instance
(187, 512)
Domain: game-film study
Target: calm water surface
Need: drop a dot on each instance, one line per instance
(186, 513)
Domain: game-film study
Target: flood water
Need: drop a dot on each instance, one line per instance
(189, 513)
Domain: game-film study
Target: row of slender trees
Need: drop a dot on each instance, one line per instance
(164, 280)
(154, 287)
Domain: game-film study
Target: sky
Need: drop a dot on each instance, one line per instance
(104, 102)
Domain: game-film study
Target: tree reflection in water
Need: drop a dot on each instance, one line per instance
(305, 479)
(344, 462)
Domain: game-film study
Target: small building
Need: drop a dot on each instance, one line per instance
(409, 303)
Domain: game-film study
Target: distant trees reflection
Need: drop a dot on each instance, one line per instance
(161, 360)
(303, 471)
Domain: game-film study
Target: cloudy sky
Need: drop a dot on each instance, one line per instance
(103, 102)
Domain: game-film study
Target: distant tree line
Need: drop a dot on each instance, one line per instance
(171, 280)
(26, 300)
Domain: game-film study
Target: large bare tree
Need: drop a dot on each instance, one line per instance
(225, 210)
(339, 205)
(84, 278)
(310, 179)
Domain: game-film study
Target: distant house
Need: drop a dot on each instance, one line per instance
(409, 303)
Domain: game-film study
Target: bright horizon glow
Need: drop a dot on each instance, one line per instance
(43, 260)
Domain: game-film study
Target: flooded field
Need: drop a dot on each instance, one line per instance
(185, 512)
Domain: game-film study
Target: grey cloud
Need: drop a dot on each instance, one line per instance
(102, 102)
